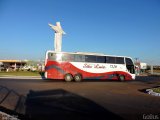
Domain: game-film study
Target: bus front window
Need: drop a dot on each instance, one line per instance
(130, 65)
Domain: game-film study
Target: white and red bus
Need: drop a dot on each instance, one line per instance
(80, 66)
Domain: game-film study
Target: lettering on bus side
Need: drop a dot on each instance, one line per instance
(96, 66)
(113, 66)
(87, 66)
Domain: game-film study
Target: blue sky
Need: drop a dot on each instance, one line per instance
(116, 27)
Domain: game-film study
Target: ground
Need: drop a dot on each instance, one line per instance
(104, 99)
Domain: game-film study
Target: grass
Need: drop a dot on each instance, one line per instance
(157, 71)
(20, 73)
(157, 90)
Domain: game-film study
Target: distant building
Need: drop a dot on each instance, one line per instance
(143, 66)
(140, 67)
(7, 65)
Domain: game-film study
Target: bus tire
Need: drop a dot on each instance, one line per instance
(78, 77)
(68, 77)
(121, 78)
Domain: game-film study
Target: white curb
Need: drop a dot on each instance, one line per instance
(6, 116)
(150, 91)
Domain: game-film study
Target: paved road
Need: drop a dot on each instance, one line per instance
(110, 99)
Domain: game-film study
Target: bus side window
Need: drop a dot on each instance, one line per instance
(119, 60)
(69, 57)
(101, 59)
(79, 58)
(110, 59)
(90, 58)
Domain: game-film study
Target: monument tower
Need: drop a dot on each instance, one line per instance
(58, 36)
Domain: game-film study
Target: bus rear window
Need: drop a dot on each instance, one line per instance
(51, 56)
(55, 56)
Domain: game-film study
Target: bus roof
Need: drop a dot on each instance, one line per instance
(87, 53)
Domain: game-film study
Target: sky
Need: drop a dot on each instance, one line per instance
(114, 27)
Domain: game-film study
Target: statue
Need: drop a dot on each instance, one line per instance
(58, 36)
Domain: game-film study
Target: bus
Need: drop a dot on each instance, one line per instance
(80, 66)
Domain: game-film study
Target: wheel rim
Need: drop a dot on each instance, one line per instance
(68, 77)
(77, 78)
(121, 78)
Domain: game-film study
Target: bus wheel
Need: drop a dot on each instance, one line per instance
(68, 77)
(78, 77)
(121, 78)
